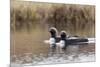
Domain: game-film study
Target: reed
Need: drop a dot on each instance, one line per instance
(71, 17)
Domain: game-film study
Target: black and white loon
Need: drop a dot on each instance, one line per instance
(53, 38)
(63, 40)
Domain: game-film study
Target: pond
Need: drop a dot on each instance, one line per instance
(28, 48)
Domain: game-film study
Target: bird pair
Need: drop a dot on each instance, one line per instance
(57, 41)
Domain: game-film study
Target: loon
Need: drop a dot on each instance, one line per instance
(53, 38)
(63, 41)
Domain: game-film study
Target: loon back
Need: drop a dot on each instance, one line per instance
(72, 41)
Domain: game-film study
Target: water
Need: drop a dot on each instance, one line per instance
(55, 59)
(28, 49)
(73, 54)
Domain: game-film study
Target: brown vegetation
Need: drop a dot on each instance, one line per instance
(25, 15)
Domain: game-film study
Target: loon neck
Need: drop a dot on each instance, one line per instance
(53, 36)
(63, 38)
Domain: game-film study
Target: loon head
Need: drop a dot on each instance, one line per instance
(53, 31)
(63, 35)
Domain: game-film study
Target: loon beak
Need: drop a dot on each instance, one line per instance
(46, 41)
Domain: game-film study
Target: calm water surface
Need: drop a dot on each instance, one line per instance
(28, 48)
